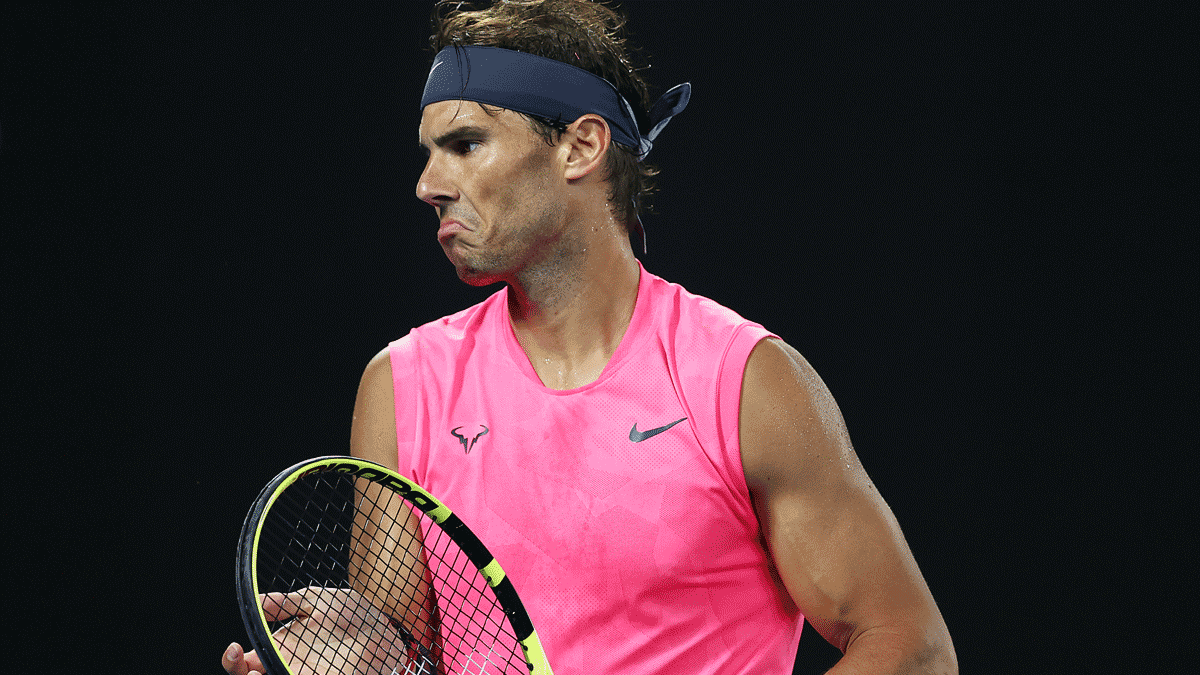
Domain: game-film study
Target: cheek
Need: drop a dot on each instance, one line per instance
(514, 193)
(498, 187)
(525, 191)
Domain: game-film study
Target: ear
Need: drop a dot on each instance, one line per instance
(586, 143)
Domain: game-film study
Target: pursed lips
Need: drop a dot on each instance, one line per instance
(449, 228)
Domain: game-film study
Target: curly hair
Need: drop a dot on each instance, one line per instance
(579, 32)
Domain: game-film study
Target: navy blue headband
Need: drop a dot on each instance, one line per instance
(544, 87)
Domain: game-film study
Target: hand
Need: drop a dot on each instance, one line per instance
(333, 631)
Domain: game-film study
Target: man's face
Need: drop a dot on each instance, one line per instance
(491, 178)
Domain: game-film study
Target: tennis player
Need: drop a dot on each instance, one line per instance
(671, 487)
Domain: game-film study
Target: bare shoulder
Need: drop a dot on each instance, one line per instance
(379, 366)
(789, 422)
(373, 429)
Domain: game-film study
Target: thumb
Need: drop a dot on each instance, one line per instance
(237, 662)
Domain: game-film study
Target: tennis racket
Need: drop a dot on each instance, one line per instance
(346, 567)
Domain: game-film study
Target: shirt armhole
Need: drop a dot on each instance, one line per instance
(729, 401)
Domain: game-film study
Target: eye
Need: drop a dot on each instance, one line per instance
(466, 147)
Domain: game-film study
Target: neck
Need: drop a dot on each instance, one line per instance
(570, 312)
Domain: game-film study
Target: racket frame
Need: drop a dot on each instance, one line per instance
(253, 616)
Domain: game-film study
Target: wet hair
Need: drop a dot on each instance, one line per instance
(579, 32)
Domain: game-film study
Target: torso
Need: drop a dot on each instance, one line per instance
(619, 508)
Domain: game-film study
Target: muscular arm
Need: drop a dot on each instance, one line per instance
(835, 542)
(386, 565)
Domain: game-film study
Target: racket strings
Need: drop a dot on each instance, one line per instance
(469, 617)
(403, 563)
(305, 543)
(308, 550)
(315, 536)
(472, 619)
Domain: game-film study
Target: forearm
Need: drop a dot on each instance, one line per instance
(886, 653)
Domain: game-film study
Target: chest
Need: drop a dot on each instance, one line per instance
(609, 476)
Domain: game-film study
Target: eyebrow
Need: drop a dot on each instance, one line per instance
(456, 135)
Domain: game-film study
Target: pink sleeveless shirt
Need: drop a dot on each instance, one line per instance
(619, 509)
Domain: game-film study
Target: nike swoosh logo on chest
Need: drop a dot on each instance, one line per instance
(639, 436)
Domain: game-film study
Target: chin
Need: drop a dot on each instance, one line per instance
(476, 268)
(476, 277)
(467, 272)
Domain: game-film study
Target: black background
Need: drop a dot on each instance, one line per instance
(971, 221)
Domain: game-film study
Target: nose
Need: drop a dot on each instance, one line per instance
(434, 187)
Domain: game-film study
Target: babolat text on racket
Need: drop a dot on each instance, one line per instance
(346, 567)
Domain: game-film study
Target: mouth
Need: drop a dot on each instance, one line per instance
(449, 228)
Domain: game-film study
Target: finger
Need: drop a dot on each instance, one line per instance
(254, 664)
(278, 606)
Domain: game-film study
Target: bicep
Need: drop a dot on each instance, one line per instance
(834, 541)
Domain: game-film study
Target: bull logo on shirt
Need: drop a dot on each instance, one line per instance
(467, 445)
